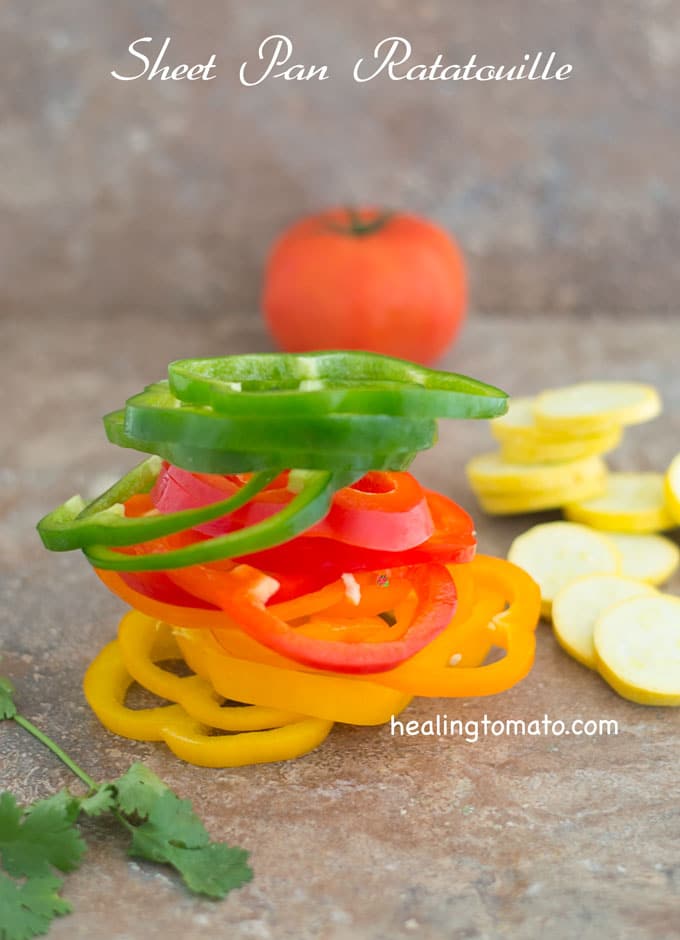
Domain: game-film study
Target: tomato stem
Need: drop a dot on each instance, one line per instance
(358, 227)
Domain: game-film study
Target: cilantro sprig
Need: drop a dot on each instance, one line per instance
(41, 841)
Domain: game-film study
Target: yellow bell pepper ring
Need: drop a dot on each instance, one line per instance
(454, 681)
(106, 686)
(334, 697)
(248, 747)
(143, 642)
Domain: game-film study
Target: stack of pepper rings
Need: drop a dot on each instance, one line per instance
(276, 544)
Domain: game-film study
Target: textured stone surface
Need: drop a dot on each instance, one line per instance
(369, 836)
(165, 195)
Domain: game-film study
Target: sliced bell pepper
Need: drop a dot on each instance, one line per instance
(244, 591)
(156, 584)
(76, 525)
(379, 511)
(431, 673)
(106, 685)
(468, 632)
(387, 511)
(350, 699)
(156, 415)
(144, 642)
(204, 618)
(308, 506)
(235, 663)
(211, 460)
(235, 642)
(453, 541)
(318, 383)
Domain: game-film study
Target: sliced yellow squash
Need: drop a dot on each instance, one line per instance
(632, 503)
(558, 450)
(650, 558)
(554, 553)
(489, 473)
(579, 604)
(518, 423)
(672, 489)
(591, 407)
(500, 504)
(637, 647)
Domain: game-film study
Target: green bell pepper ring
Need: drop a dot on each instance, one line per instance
(310, 505)
(74, 525)
(206, 460)
(155, 414)
(308, 384)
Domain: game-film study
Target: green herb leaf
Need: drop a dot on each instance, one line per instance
(33, 840)
(63, 802)
(101, 801)
(213, 870)
(138, 790)
(170, 821)
(27, 910)
(7, 707)
(172, 833)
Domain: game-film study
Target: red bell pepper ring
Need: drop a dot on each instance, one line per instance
(452, 542)
(243, 594)
(382, 511)
(156, 584)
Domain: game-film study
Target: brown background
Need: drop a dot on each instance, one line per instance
(163, 196)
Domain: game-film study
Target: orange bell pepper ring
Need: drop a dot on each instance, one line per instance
(437, 670)
(243, 593)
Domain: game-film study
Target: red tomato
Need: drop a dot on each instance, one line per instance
(364, 279)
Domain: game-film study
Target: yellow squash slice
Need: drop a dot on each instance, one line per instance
(523, 442)
(672, 489)
(558, 450)
(632, 503)
(650, 558)
(554, 553)
(579, 605)
(496, 504)
(592, 407)
(518, 424)
(489, 473)
(637, 647)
